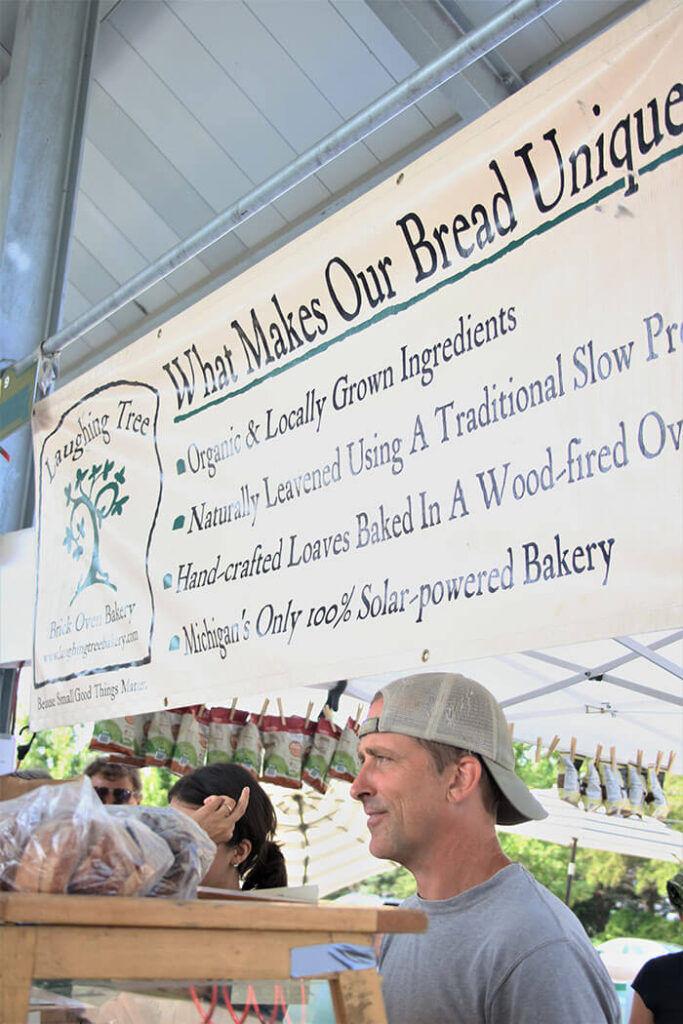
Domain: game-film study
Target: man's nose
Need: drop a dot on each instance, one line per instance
(359, 786)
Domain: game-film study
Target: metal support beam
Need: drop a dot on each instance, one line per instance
(44, 112)
(583, 674)
(476, 44)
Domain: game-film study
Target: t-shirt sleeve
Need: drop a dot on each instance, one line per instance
(645, 984)
(556, 983)
(639, 983)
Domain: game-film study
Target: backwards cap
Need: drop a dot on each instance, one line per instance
(452, 709)
(674, 889)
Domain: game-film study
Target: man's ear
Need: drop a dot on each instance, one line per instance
(464, 778)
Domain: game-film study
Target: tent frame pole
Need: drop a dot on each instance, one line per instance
(466, 52)
(571, 870)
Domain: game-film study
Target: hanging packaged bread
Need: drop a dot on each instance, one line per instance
(249, 749)
(568, 785)
(284, 741)
(317, 764)
(345, 763)
(189, 751)
(225, 725)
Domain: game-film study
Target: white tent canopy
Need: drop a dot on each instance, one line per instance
(625, 692)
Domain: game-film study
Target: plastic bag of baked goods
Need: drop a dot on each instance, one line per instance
(225, 725)
(656, 803)
(591, 788)
(283, 749)
(161, 737)
(635, 789)
(249, 750)
(189, 751)
(60, 839)
(568, 780)
(318, 762)
(613, 795)
(114, 736)
(345, 764)
(192, 851)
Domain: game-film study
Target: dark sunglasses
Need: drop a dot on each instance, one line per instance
(121, 796)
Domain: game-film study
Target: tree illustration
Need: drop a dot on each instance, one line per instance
(94, 496)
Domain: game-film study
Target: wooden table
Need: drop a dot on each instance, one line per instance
(50, 937)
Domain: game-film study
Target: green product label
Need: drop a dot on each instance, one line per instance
(276, 765)
(316, 766)
(185, 754)
(218, 757)
(343, 763)
(160, 747)
(247, 758)
(108, 731)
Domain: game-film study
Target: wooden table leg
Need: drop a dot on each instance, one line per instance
(17, 947)
(357, 997)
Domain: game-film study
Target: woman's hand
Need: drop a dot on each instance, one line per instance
(219, 815)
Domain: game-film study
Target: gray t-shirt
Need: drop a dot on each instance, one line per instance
(505, 952)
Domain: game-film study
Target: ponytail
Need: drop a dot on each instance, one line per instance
(269, 871)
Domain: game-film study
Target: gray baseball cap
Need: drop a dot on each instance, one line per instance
(452, 709)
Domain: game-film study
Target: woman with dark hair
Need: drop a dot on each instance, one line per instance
(228, 802)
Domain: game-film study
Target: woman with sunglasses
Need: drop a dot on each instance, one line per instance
(229, 804)
(115, 783)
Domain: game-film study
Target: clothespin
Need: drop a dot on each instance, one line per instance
(639, 759)
(658, 762)
(511, 727)
(359, 712)
(263, 711)
(232, 708)
(551, 748)
(598, 753)
(279, 707)
(572, 749)
(613, 758)
(672, 758)
(537, 755)
(328, 714)
(308, 714)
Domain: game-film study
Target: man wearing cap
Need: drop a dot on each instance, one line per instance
(437, 773)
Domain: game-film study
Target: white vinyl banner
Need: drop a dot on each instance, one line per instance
(443, 424)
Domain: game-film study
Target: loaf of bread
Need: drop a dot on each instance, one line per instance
(49, 858)
(111, 868)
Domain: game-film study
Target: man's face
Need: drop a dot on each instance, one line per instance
(402, 794)
(110, 791)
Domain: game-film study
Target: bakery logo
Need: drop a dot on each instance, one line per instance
(94, 496)
(100, 488)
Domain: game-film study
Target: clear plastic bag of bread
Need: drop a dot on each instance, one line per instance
(60, 839)
(192, 850)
